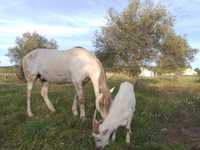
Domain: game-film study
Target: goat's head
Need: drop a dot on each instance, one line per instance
(101, 136)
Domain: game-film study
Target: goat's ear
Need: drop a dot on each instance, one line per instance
(111, 90)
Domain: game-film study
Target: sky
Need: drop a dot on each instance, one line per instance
(74, 22)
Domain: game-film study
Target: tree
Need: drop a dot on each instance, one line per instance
(176, 54)
(141, 36)
(25, 44)
(197, 70)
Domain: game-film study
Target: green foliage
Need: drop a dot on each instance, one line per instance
(27, 43)
(197, 70)
(142, 35)
(9, 69)
(175, 54)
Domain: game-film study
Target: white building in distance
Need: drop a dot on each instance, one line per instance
(147, 73)
(189, 72)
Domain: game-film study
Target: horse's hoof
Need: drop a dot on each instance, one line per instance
(83, 118)
(128, 141)
(53, 110)
(30, 114)
(75, 113)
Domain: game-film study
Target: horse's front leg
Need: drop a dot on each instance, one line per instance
(81, 102)
(74, 106)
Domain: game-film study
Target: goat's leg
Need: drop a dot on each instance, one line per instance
(74, 106)
(44, 93)
(113, 136)
(128, 130)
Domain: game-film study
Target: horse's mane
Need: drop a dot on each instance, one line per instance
(105, 102)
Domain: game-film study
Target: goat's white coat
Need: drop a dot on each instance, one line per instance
(120, 114)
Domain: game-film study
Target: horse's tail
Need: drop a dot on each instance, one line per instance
(105, 102)
(20, 72)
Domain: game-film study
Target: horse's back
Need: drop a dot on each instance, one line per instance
(53, 54)
(60, 65)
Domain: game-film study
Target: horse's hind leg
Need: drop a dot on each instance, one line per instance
(29, 89)
(79, 92)
(44, 93)
(74, 106)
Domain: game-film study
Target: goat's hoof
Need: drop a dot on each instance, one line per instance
(113, 139)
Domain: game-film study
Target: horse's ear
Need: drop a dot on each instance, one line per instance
(111, 90)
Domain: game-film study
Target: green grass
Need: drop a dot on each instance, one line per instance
(167, 117)
(9, 69)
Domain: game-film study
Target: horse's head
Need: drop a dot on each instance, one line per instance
(103, 102)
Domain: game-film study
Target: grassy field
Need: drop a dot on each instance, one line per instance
(167, 117)
(9, 69)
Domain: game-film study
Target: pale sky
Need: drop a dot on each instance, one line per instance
(73, 23)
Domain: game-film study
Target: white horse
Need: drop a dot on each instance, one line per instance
(71, 66)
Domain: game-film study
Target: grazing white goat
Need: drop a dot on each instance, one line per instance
(120, 114)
